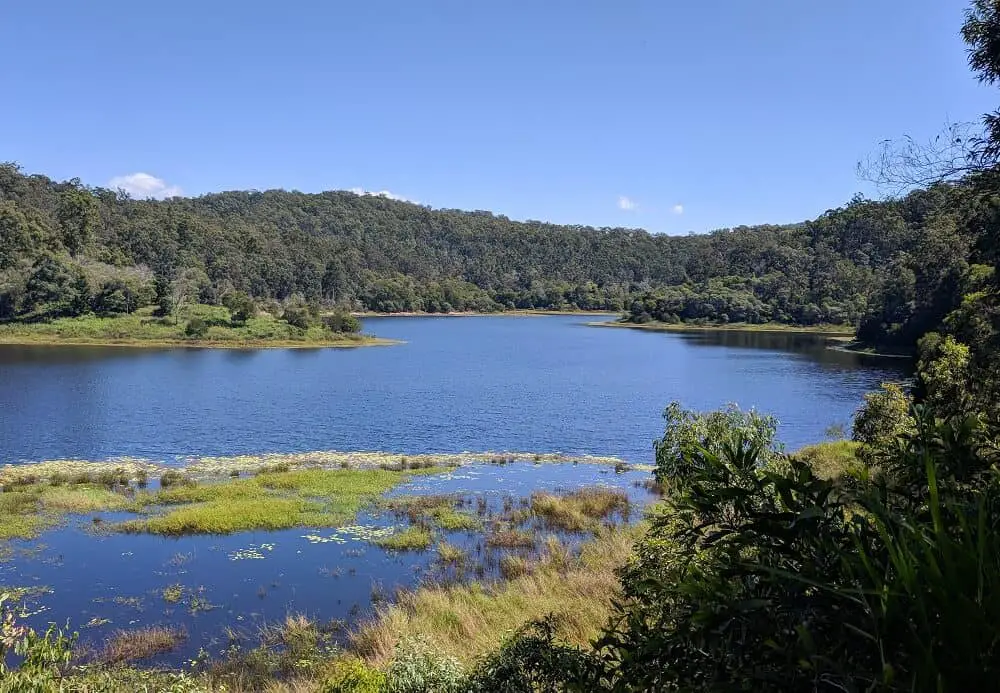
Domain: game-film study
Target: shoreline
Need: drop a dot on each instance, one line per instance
(476, 314)
(821, 330)
(137, 343)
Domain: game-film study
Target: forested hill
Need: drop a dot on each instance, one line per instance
(63, 244)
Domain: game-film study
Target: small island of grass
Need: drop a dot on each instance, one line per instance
(194, 325)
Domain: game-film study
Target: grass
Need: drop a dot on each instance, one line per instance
(143, 643)
(172, 594)
(510, 538)
(267, 501)
(581, 510)
(410, 539)
(436, 510)
(841, 330)
(28, 509)
(142, 328)
(469, 620)
(449, 553)
(831, 459)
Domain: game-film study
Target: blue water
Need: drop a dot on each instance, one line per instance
(539, 384)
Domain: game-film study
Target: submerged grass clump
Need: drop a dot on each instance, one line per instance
(581, 510)
(410, 539)
(172, 594)
(135, 645)
(510, 538)
(449, 553)
(437, 510)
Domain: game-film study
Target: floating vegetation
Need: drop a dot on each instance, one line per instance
(172, 593)
(131, 602)
(437, 510)
(342, 535)
(180, 559)
(97, 622)
(251, 553)
(21, 594)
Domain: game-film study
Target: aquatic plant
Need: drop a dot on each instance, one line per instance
(580, 510)
(512, 566)
(449, 553)
(510, 538)
(410, 539)
(174, 477)
(172, 594)
(252, 552)
(467, 620)
(143, 643)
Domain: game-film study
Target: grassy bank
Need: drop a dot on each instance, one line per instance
(213, 328)
(831, 459)
(466, 621)
(831, 330)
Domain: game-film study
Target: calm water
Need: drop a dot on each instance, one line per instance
(540, 384)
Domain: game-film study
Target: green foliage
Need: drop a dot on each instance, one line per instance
(881, 420)
(532, 660)
(862, 262)
(240, 306)
(196, 328)
(417, 668)
(341, 321)
(688, 431)
(350, 675)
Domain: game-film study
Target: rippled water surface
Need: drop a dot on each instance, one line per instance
(540, 384)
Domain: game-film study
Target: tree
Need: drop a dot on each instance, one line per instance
(342, 321)
(78, 218)
(241, 306)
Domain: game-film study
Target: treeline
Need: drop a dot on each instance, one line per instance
(890, 266)
(894, 268)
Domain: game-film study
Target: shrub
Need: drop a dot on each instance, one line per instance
(342, 322)
(196, 328)
(687, 432)
(241, 306)
(298, 316)
(416, 668)
(173, 477)
(350, 675)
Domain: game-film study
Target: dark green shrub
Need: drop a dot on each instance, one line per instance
(196, 328)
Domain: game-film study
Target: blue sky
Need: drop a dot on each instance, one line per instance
(671, 115)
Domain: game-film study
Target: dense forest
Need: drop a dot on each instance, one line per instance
(894, 267)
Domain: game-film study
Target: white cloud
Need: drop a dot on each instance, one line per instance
(143, 185)
(677, 209)
(626, 204)
(382, 193)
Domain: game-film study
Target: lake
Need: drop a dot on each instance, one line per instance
(539, 384)
(532, 384)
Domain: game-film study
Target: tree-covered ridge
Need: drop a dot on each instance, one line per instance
(66, 248)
